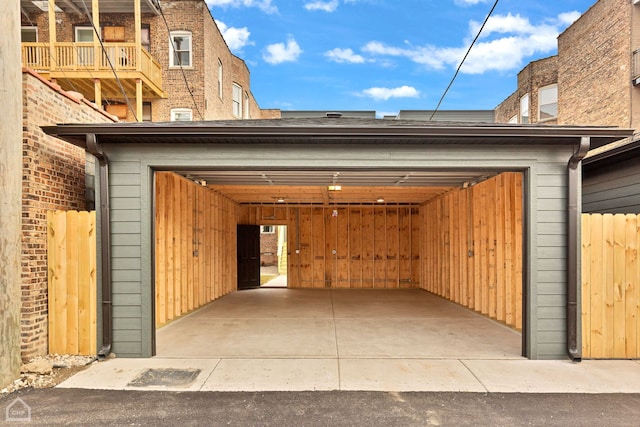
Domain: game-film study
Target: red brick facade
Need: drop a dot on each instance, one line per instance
(53, 175)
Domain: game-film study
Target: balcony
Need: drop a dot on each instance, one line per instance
(78, 66)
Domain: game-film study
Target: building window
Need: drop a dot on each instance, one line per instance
(145, 37)
(181, 115)
(524, 109)
(247, 114)
(220, 78)
(180, 49)
(267, 229)
(548, 103)
(237, 100)
(146, 111)
(29, 34)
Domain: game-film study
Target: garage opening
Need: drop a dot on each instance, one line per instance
(374, 237)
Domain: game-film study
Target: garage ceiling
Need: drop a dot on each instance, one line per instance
(355, 186)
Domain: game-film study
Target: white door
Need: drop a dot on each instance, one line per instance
(85, 53)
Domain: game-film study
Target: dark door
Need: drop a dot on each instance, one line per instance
(248, 256)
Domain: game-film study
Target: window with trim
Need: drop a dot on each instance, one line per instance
(180, 49)
(237, 100)
(267, 229)
(29, 34)
(548, 103)
(145, 37)
(246, 106)
(181, 115)
(524, 109)
(220, 78)
(146, 111)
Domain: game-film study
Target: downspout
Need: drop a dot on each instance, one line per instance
(573, 251)
(105, 244)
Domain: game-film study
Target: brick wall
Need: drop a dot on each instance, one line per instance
(534, 76)
(268, 249)
(53, 177)
(594, 63)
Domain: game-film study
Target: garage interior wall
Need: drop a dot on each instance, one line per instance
(195, 246)
(471, 246)
(465, 246)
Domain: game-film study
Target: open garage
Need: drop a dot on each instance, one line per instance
(476, 216)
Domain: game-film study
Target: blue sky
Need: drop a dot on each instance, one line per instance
(388, 55)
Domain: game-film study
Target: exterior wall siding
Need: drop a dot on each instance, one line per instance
(53, 179)
(612, 189)
(545, 214)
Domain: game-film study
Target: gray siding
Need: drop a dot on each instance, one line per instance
(545, 216)
(612, 189)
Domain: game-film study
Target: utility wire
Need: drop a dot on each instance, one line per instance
(104, 51)
(463, 59)
(184, 75)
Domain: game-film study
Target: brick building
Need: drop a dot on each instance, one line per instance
(166, 58)
(593, 79)
(53, 179)
(597, 79)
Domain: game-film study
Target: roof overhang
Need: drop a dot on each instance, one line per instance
(334, 131)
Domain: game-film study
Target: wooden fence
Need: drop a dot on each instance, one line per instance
(71, 242)
(610, 286)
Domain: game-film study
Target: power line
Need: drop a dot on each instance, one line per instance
(184, 75)
(463, 59)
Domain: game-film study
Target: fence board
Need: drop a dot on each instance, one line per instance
(610, 286)
(71, 242)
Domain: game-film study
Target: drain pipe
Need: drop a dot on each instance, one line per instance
(573, 247)
(105, 244)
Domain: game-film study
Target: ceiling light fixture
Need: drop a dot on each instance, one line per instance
(280, 199)
(334, 187)
(380, 200)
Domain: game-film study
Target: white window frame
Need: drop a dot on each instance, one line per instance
(189, 49)
(220, 76)
(544, 92)
(524, 110)
(514, 119)
(178, 113)
(237, 100)
(247, 113)
(267, 229)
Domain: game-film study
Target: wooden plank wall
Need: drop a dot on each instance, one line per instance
(195, 246)
(471, 245)
(610, 286)
(71, 242)
(375, 246)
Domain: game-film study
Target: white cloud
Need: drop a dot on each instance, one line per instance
(344, 55)
(568, 18)
(236, 38)
(469, 2)
(506, 41)
(325, 6)
(385, 93)
(278, 53)
(264, 5)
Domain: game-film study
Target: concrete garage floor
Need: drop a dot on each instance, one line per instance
(324, 323)
(359, 340)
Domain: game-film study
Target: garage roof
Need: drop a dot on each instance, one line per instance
(312, 186)
(334, 130)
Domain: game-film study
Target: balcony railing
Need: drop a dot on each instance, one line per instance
(67, 57)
